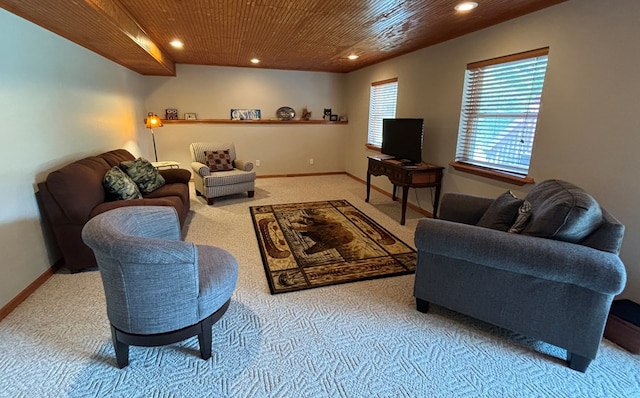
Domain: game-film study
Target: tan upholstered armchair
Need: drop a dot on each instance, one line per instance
(217, 171)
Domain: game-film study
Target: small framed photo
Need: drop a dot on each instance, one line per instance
(334, 118)
(190, 116)
(171, 114)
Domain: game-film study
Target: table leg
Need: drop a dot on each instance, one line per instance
(368, 186)
(405, 195)
(393, 197)
(436, 201)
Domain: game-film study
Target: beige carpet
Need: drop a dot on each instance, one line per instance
(362, 339)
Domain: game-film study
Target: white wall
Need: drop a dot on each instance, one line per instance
(211, 92)
(588, 130)
(59, 103)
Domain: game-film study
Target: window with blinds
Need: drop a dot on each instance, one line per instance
(382, 104)
(500, 106)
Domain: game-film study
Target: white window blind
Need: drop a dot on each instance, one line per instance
(382, 104)
(500, 107)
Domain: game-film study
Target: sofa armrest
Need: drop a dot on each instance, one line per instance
(201, 169)
(542, 258)
(54, 213)
(243, 165)
(175, 176)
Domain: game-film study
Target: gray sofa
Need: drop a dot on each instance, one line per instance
(553, 281)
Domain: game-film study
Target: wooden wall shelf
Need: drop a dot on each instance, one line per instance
(261, 121)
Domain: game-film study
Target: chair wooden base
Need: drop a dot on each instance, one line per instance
(122, 340)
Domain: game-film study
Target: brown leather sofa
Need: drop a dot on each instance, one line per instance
(74, 194)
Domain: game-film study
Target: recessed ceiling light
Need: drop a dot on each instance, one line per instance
(353, 56)
(255, 61)
(177, 44)
(466, 6)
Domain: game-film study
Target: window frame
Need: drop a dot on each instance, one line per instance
(460, 162)
(375, 118)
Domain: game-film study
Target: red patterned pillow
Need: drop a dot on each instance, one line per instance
(218, 160)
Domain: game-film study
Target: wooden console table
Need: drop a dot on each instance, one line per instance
(422, 175)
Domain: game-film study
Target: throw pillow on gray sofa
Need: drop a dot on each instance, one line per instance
(502, 213)
(562, 211)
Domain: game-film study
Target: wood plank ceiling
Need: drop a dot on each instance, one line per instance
(311, 35)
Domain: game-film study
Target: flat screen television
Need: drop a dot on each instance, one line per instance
(402, 139)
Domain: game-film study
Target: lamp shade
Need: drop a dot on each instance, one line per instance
(152, 121)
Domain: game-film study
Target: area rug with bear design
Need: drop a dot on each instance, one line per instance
(313, 244)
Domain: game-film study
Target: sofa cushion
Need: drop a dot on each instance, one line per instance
(175, 176)
(562, 211)
(119, 186)
(502, 212)
(117, 156)
(142, 172)
(170, 190)
(608, 236)
(77, 188)
(232, 177)
(218, 160)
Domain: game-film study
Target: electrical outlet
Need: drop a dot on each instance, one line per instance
(311, 161)
(257, 162)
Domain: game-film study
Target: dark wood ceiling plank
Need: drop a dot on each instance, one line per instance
(313, 35)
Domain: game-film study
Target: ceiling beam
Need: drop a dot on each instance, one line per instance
(127, 25)
(102, 26)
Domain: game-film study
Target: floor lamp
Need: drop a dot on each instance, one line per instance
(152, 121)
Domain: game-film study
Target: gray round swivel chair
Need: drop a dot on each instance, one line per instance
(159, 289)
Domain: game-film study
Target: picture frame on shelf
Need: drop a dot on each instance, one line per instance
(190, 116)
(245, 114)
(333, 118)
(171, 114)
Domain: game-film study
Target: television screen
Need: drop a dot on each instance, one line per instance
(402, 139)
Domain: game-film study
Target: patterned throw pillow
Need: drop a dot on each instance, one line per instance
(218, 160)
(119, 186)
(143, 174)
(524, 212)
(502, 212)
